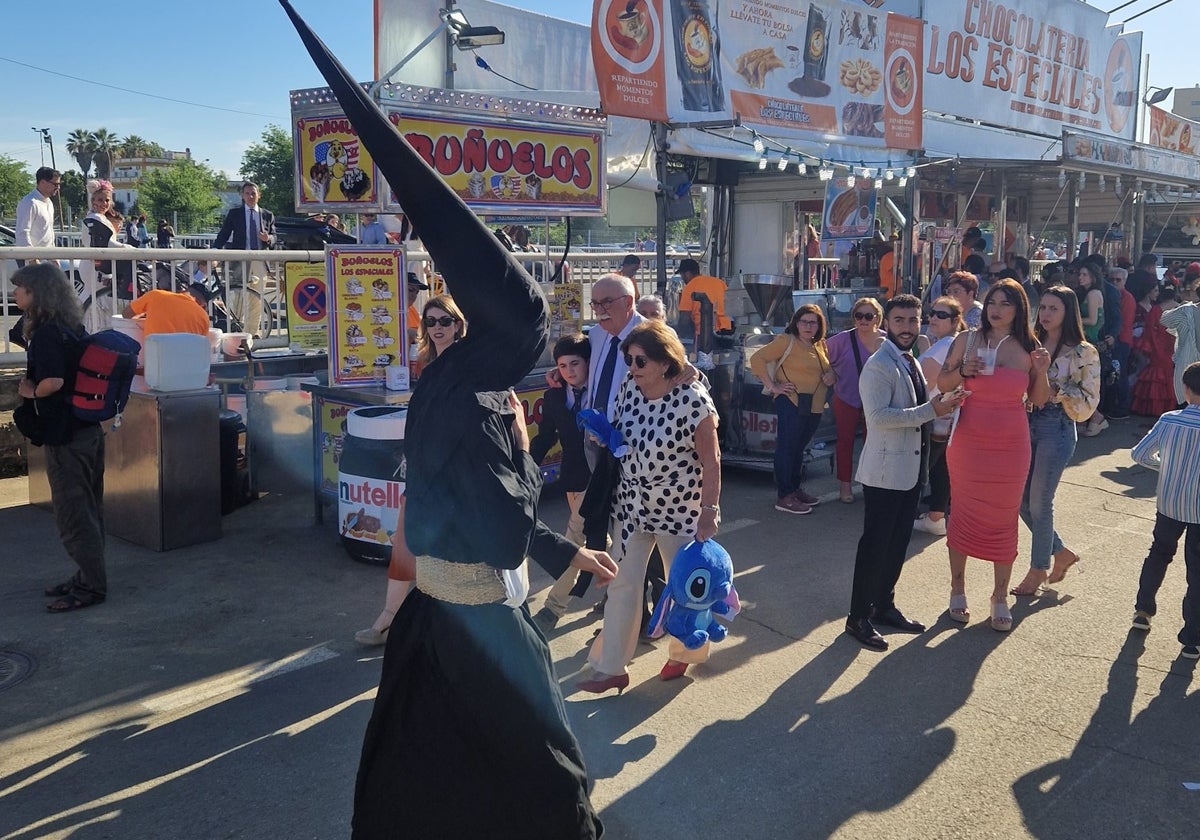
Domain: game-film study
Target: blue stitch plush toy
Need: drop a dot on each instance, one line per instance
(700, 584)
(596, 424)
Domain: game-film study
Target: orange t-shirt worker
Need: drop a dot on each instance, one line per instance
(169, 312)
(694, 281)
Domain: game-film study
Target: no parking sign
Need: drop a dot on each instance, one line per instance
(308, 305)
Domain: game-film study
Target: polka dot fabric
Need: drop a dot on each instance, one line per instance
(660, 476)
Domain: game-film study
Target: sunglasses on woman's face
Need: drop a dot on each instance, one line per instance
(864, 316)
(444, 321)
(636, 361)
(940, 315)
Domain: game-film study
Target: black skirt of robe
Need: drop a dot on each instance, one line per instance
(469, 736)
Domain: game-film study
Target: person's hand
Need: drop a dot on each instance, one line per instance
(26, 389)
(829, 377)
(553, 379)
(602, 567)
(943, 404)
(781, 389)
(971, 366)
(687, 376)
(1109, 341)
(263, 236)
(706, 528)
(519, 429)
(1040, 360)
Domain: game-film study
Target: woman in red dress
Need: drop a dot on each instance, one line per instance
(989, 451)
(1154, 349)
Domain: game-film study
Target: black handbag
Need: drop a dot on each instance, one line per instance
(29, 422)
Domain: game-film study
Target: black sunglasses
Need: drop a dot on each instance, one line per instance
(639, 361)
(444, 321)
(940, 315)
(864, 316)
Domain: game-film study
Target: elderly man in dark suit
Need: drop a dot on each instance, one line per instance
(247, 228)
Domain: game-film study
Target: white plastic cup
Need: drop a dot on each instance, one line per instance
(987, 357)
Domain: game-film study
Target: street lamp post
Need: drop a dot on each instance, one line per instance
(49, 141)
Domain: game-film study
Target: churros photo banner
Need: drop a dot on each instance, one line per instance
(849, 210)
(333, 170)
(366, 325)
(1032, 65)
(510, 167)
(829, 70)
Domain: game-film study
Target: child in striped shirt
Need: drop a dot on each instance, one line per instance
(1173, 448)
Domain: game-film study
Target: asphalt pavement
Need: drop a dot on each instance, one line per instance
(219, 692)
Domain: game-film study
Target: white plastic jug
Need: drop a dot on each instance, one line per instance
(135, 328)
(177, 361)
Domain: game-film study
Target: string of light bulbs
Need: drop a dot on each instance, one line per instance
(878, 172)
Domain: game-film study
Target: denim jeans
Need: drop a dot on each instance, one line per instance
(1167, 532)
(793, 431)
(1052, 439)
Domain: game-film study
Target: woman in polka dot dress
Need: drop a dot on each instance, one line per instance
(668, 495)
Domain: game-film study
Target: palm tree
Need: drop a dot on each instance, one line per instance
(81, 145)
(104, 152)
(134, 146)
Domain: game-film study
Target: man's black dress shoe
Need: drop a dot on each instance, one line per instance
(892, 617)
(862, 630)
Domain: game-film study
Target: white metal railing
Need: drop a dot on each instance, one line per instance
(260, 302)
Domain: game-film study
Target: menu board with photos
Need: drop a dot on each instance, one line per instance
(366, 326)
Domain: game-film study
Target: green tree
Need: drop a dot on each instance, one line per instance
(105, 152)
(74, 193)
(81, 145)
(186, 187)
(269, 164)
(15, 184)
(134, 146)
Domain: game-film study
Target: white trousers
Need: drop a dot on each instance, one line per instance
(560, 592)
(614, 647)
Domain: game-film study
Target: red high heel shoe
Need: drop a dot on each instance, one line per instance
(672, 670)
(599, 684)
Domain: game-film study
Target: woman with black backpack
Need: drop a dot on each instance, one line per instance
(53, 326)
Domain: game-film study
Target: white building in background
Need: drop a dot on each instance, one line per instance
(127, 171)
(1187, 103)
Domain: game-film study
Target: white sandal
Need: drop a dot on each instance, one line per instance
(1002, 620)
(958, 608)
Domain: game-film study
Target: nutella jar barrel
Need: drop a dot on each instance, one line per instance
(371, 481)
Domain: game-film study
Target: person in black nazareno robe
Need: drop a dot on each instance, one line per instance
(468, 737)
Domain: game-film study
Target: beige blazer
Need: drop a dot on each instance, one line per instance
(891, 455)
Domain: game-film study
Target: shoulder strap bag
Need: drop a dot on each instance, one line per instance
(773, 367)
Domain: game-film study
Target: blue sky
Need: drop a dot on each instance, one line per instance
(243, 55)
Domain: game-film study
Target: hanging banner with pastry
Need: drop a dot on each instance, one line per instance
(849, 210)
(829, 70)
(1032, 65)
(333, 170)
(1171, 132)
(367, 296)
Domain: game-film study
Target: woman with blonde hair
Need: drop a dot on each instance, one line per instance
(847, 352)
(802, 377)
(945, 322)
(442, 324)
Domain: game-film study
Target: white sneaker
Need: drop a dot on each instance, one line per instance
(930, 526)
(1093, 428)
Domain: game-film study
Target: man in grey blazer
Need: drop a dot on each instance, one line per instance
(892, 470)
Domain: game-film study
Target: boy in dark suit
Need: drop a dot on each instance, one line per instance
(560, 407)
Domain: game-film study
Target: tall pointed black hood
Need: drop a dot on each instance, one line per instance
(505, 309)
